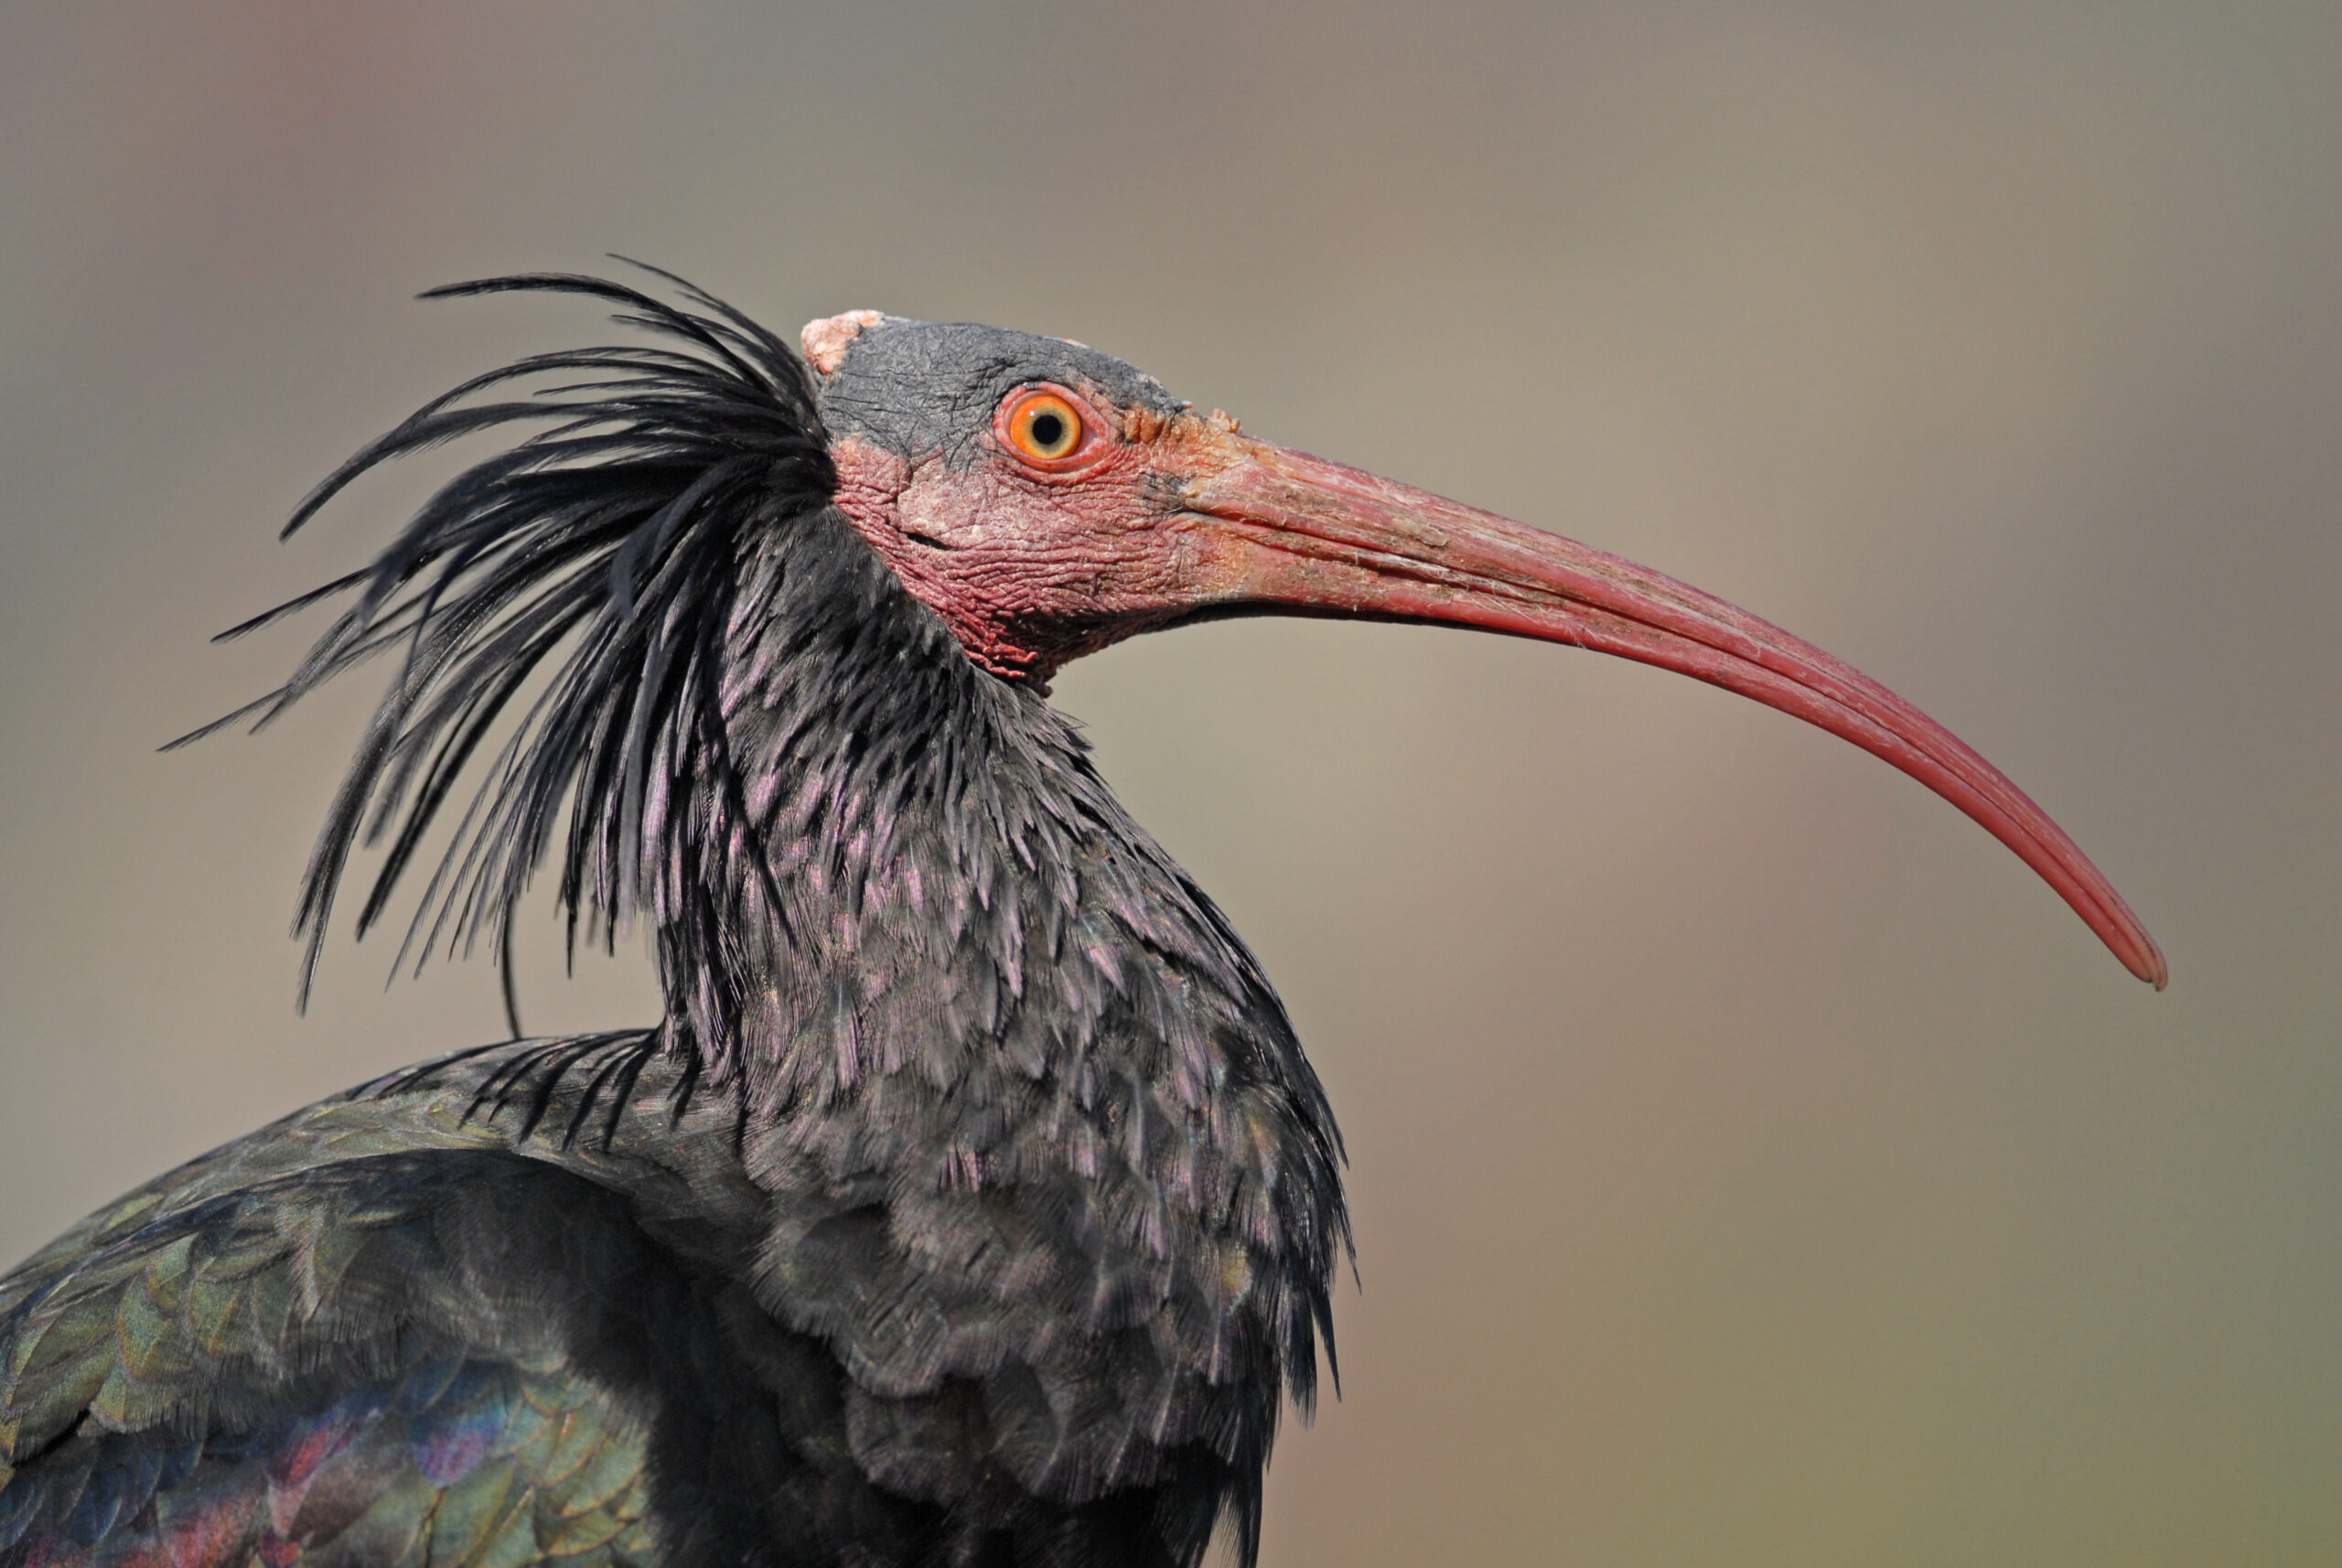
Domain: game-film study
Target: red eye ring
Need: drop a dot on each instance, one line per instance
(1042, 426)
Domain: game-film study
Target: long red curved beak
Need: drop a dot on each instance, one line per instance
(1287, 530)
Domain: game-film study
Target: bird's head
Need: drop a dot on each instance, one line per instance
(1033, 492)
(1041, 499)
(1045, 500)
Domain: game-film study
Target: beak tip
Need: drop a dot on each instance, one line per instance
(2145, 959)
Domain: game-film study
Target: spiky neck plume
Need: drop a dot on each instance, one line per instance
(570, 597)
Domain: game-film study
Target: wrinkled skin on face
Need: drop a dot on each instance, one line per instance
(1032, 563)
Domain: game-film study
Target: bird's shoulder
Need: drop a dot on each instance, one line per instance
(563, 1103)
(414, 1316)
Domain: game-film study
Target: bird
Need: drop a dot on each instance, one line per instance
(973, 1200)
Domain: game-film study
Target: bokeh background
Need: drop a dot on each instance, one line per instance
(1753, 1164)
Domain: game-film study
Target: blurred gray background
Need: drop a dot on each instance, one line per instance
(1752, 1163)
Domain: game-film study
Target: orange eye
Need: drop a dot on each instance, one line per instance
(1044, 427)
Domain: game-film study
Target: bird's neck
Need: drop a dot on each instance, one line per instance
(935, 883)
(995, 1055)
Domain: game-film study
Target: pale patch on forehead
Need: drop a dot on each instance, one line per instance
(824, 341)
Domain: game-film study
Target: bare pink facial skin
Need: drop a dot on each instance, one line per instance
(1152, 518)
(1034, 565)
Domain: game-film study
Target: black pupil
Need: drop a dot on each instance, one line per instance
(1049, 429)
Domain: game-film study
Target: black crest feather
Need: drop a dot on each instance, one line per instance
(601, 548)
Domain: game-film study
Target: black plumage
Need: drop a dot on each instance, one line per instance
(973, 1200)
(1001, 1175)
